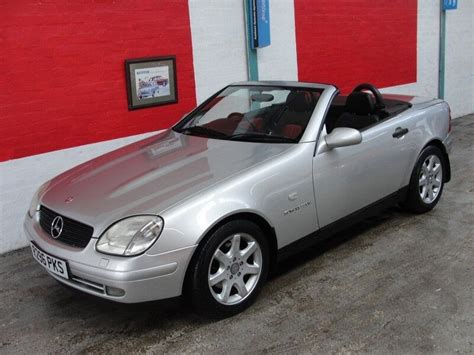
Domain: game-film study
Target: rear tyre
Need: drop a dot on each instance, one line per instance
(427, 181)
(229, 269)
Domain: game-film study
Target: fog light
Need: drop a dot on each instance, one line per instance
(114, 291)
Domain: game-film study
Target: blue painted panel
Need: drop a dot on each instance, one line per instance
(450, 4)
(259, 23)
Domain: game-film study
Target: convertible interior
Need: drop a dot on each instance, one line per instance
(362, 108)
(288, 119)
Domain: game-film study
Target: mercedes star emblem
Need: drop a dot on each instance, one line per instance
(57, 227)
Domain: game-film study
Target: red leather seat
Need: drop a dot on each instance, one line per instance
(292, 131)
(300, 105)
(257, 122)
(225, 125)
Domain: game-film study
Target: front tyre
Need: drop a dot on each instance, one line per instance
(427, 181)
(230, 269)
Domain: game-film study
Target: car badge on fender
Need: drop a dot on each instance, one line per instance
(69, 199)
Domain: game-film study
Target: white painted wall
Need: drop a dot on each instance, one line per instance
(459, 75)
(219, 51)
(459, 59)
(219, 47)
(279, 60)
(20, 178)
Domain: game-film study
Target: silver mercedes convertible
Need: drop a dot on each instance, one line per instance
(255, 173)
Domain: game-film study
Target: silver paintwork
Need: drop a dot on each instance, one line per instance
(193, 183)
(430, 179)
(233, 267)
(343, 137)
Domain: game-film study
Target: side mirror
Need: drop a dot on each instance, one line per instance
(342, 137)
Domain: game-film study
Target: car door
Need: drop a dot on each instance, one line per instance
(347, 179)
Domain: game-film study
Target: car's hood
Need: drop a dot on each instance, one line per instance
(150, 175)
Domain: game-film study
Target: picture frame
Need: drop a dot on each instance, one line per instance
(151, 81)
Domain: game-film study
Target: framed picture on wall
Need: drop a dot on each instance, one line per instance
(151, 81)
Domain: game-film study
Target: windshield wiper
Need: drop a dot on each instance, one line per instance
(256, 137)
(201, 130)
(252, 137)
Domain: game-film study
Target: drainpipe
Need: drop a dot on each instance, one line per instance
(252, 64)
(442, 50)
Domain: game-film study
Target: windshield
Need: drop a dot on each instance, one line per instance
(253, 113)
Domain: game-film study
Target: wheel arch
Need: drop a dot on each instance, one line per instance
(268, 232)
(439, 144)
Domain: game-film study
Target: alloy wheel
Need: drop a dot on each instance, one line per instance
(235, 269)
(430, 179)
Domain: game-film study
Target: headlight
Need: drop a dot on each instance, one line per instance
(130, 236)
(35, 203)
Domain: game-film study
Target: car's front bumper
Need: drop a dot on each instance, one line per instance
(142, 278)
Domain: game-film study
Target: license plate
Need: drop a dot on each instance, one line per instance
(51, 263)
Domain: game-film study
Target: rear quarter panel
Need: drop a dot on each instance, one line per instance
(426, 121)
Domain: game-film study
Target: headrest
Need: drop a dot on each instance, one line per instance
(300, 101)
(255, 123)
(360, 103)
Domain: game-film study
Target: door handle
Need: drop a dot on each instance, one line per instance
(399, 132)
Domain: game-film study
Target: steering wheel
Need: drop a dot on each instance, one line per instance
(379, 101)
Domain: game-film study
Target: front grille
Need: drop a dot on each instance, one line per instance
(74, 233)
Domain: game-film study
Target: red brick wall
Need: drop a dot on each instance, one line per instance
(347, 42)
(63, 76)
